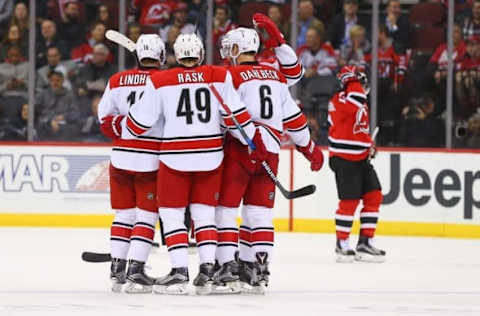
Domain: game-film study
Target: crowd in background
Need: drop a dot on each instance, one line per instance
(74, 60)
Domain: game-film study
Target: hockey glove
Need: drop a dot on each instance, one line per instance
(276, 38)
(260, 153)
(112, 126)
(313, 154)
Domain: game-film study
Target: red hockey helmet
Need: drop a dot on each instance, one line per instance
(352, 73)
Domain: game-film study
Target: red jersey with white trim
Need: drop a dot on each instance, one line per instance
(180, 97)
(349, 133)
(284, 59)
(265, 92)
(124, 89)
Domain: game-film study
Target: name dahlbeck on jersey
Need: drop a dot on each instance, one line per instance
(133, 79)
(259, 74)
(190, 77)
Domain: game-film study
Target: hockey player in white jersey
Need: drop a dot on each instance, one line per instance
(191, 155)
(265, 92)
(134, 162)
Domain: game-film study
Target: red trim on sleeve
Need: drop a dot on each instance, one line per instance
(296, 123)
(134, 128)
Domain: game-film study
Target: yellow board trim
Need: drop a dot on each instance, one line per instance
(281, 224)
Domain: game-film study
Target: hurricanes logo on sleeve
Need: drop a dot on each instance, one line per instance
(361, 121)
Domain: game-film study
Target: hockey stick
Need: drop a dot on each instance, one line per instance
(309, 189)
(88, 256)
(121, 40)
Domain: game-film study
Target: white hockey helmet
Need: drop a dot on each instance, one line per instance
(151, 46)
(246, 39)
(188, 46)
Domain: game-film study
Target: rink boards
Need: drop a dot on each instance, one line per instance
(427, 193)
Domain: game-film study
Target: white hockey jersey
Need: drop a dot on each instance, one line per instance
(124, 89)
(284, 59)
(265, 92)
(192, 137)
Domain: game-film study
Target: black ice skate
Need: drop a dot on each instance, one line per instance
(262, 268)
(175, 282)
(227, 280)
(366, 252)
(344, 252)
(205, 279)
(137, 280)
(248, 278)
(118, 274)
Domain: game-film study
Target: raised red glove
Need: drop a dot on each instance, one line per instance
(112, 126)
(276, 38)
(260, 153)
(313, 154)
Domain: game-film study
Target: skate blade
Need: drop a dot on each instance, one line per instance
(248, 289)
(204, 290)
(233, 287)
(135, 288)
(345, 259)
(175, 289)
(116, 287)
(365, 257)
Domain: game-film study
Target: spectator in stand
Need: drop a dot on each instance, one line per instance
(14, 128)
(72, 28)
(339, 31)
(391, 72)
(49, 38)
(171, 37)
(20, 18)
(57, 111)
(179, 22)
(6, 11)
(317, 56)
(133, 32)
(471, 23)
(196, 14)
(154, 13)
(90, 126)
(104, 16)
(93, 77)
(398, 26)
(14, 75)
(420, 126)
(84, 52)
(357, 48)
(472, 131)
(306, 20)
(54, 63)
(221, 26)
(276, 15)
(468, 79)
(14, 37)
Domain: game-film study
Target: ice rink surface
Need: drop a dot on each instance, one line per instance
(42, 274)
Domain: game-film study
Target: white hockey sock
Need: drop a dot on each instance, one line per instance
(142, 235)
(245, 245)
(120, 233)
(227, 233)
(261, 221)
(203, 217)
(176, 235)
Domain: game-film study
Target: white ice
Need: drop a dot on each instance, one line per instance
(41, 273)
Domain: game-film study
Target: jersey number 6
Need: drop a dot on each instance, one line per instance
(266, 105)
(202, 103)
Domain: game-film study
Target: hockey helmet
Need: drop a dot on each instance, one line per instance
(151, 46)
(188, 46)
(353, 73)
(246, 39)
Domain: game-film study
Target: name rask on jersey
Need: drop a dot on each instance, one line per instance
(133, 80)
(259, 74)
(193, 77)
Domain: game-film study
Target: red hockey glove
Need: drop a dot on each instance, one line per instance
(276, 38)
(260, 153)
(111, 126)
(347, 75)
(313, 154)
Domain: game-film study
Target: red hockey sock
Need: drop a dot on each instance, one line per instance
(369, 213)
(344, 218)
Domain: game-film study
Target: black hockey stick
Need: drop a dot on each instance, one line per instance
(88, 256)
(309, 189)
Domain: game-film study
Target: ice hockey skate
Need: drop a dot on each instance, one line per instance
(345, 254)
(137, 280)
(227, 280)
(367, 252)
(175, 283)
(205, 279)
(248, 278)
(118, 274)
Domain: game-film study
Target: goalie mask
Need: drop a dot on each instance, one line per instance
(247, 40)
(188, 46)
(151, 46)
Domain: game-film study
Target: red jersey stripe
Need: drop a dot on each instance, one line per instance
(192, 144)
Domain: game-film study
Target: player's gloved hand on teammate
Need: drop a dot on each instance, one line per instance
(112, 126)
(260, 153)
(347, 74)
(313, 154)
(276, 38)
